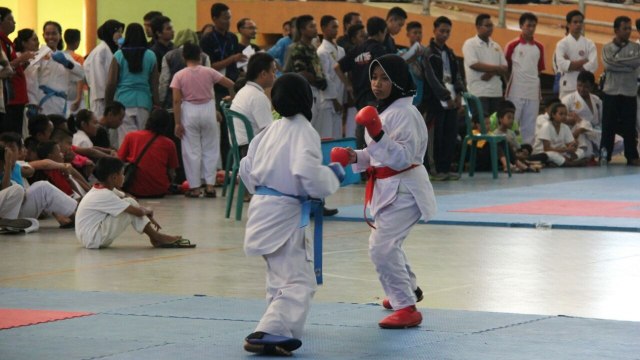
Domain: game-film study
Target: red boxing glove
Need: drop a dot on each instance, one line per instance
(340, 155)
(368, 117)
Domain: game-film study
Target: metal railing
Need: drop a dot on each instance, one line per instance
(503, 9)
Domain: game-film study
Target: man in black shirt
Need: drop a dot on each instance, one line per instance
(147, 19)
(395, 22)
(349, 19)
(247, 29)
(162, 35)
(357, 63)
(222, 47)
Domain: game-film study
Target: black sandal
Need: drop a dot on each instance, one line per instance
(210, 194)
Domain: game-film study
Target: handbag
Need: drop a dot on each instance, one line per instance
(130, 169)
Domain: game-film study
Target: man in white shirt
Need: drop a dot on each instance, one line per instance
(525, 57)
(485, 65)
(329, 124)
(251, 100)
(574, 53)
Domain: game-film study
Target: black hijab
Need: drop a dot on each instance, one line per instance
(106, 31)
(291, 95)
(398, 72)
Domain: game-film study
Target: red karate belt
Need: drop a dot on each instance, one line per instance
(378, 173)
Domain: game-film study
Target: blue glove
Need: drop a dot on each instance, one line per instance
(59, 57)
(338, 170)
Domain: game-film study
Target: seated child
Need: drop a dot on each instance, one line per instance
(41, 197)
(104, 213)
(556, 140)
(68, 180)
(82, 164)
(505, 119)
(86, 125)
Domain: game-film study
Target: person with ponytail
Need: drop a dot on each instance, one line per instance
(133, 80)
(96, 66)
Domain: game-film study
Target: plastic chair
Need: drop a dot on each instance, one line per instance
(227, 169)
(472, 139)
(234, 160)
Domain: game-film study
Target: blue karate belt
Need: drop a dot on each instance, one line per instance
(305, 201)
(49, 93)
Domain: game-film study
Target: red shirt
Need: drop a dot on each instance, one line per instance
(18, 80)
(57, 179)
(152, 178)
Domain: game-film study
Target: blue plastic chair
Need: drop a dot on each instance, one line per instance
(472, 139)
(233, 162)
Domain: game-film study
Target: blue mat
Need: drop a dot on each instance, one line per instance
(131, 326)
(614, 188)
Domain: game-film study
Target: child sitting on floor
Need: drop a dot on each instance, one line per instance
(556, 140)
(105, 212)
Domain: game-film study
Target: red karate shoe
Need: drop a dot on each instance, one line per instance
(401, 319)
(387, 304)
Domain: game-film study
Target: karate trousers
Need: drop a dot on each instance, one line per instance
(44, 197)
(112, 226)
(291, 284)
(10, 201)
(393, 224)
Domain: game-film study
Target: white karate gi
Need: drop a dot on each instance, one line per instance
(41, 197)
(287, 157)
(591, 120)
(56, 77)
(569, 49)
(200, 143)
(399, 201)
(96, 68)
(10, 201)
(101, 218)
(329, 122)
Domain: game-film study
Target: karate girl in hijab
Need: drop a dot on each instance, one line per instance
(53, 73)
(96, 66)
(398, 193)
(283, 169)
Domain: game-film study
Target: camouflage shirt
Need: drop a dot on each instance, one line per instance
(305, 58)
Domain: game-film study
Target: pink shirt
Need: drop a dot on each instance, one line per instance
(196, 83)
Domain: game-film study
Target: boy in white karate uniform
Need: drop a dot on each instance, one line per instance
(283, 169)
(104, 212)
(398, 193)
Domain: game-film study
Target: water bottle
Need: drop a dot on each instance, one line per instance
(603, 156)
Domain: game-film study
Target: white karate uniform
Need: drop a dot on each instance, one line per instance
(10, 201)
(569, 49)
(96, 68)
(200, 143)
(556, 139)
(287, 157)
(398, 201)
(41, 197)
(591, 120)
(101, 218)
(329, 122)
(55, 76)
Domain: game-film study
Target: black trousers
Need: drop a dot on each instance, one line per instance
(444, 136)
(12, 119)
(619, 117)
